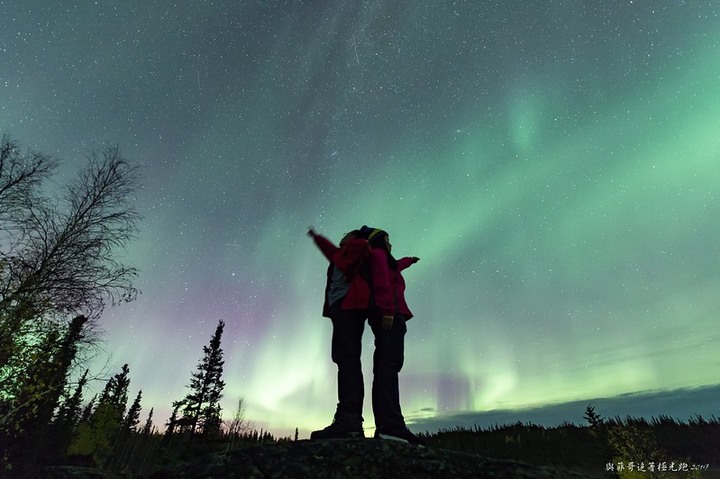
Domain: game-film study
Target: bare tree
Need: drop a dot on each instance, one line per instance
(62, 260)
(56, 257)
(20, 178)
(239, 425)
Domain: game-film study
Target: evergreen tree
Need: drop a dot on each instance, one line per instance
(68, 416)
(32, 387)
(592, 417)
(29, 396)
(70, 411)
(37, 389)
(88, 409)
(126, 441)
(148, 427)
(212, 422)
(115, 393)
(132, 418)
(59, 368)
(173, 421)
(200, 410)
(96, 437)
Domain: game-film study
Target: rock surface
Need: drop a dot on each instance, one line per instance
(367, 459)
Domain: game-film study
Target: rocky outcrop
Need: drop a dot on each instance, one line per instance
(367, 459)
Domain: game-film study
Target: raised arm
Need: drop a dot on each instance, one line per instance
(326, 247)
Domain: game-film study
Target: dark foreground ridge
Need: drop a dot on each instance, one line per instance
(351, 458)
(369, 458)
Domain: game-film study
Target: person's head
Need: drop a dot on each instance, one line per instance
(378, 238)
(349, 235)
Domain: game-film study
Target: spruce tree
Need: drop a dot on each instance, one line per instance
(115, 393)
(37, 389)
(88, 409)
(172, 423)
(70, 411)
(132, 418)
(59, 368)
(592, 417)
(68, 416)
(97, 436)
(200, 410)
(148, 427)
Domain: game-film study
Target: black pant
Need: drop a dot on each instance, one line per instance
(387, 362)
(348, 326)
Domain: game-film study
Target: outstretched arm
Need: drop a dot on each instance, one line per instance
(326, 246)
(407, 261)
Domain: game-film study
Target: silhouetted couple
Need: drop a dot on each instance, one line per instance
(364, 281)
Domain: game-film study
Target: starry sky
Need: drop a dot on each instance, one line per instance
(554, 165)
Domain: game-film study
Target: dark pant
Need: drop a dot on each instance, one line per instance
(387, 363)
(348, 327)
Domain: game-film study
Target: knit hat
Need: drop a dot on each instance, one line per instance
(370, 233)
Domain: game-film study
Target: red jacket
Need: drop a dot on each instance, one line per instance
(347, 259)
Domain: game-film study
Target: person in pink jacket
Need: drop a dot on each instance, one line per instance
(389, 353)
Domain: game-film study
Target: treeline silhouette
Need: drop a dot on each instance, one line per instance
(672, 448)
(106, 434)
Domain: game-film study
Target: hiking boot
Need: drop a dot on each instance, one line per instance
(344, 426)
(401, 435)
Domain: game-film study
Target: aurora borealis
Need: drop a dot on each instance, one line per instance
(554, 164)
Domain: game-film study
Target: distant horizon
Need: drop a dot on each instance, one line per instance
(647, 405)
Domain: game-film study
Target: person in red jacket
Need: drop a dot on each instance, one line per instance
(349, 292)
(389, 353)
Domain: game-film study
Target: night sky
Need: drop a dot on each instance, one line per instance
(555, 165)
